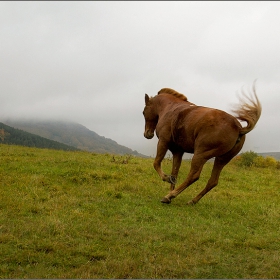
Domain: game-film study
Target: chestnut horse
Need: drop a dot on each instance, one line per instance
(182, 126)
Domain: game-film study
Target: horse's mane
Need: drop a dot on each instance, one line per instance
(174, 93)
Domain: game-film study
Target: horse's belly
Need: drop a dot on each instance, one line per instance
(184, 141)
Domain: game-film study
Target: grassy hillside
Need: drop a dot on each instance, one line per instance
(83, 215)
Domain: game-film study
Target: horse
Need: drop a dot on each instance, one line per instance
(184, 127)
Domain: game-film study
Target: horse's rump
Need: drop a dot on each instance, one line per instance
(205, 124)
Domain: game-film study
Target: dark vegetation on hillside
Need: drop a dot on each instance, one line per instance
(13, 136)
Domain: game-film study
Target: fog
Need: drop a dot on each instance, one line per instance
(92, 62)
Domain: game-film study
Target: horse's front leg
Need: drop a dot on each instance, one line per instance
(177, 160)
(162, 148)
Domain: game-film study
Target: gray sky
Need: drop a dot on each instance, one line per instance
(92, 62)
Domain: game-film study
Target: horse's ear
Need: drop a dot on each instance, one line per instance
(147, 98)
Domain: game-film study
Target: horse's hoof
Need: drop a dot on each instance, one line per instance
(166, 200)
(190, 203)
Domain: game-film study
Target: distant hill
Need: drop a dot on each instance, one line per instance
(276, 155)
(13, 136)
(72, 134)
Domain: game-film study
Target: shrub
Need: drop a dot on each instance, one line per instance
(259, 161)
(265, 162)
(247, 158)
(270, 162)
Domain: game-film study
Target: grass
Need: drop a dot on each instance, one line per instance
(83, 215)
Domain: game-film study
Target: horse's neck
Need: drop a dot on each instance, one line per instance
(166, 103)
(163, 105)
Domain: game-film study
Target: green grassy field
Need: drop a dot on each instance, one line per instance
(83, 215)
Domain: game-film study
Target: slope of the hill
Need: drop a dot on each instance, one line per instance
(72, 134)
(13, 136)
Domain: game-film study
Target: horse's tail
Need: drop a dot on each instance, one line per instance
(249, 110)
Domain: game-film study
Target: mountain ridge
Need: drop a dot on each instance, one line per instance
(72, 134)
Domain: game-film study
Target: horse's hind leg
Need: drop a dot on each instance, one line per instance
(219, 164)
(213, 181)
(196, 167)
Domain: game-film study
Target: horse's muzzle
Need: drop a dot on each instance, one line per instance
(148, 134)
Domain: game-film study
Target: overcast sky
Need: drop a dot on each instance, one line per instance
(92, 62)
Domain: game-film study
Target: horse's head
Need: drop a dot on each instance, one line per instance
(151, 117)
